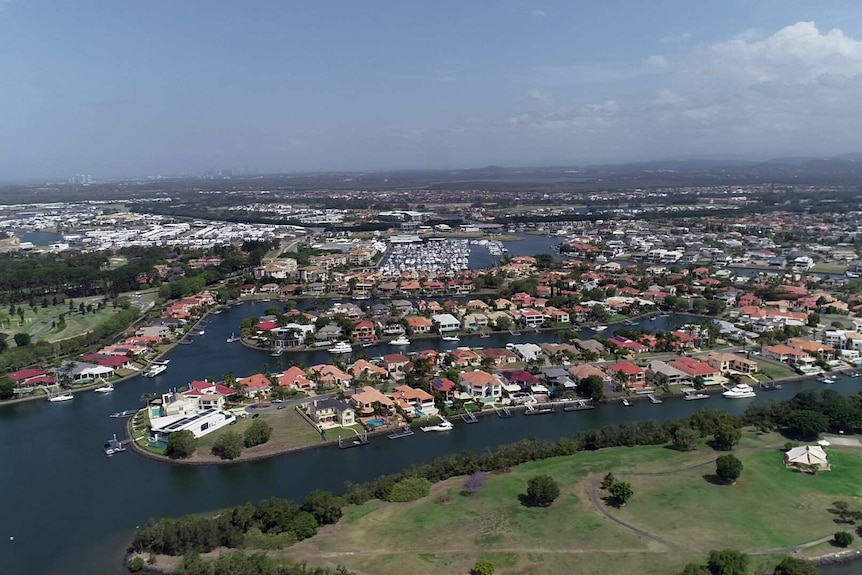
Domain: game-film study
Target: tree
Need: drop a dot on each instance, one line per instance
(181, 444)
(483, 567)
(726, 437)
(843, 538)
(685, 438)
(728, 468)
(608, 480)
(325, 506)
(22, 339)
(807, 424)
(592, 387)
(621, 491)
(727, 562)
(228, 445)
(7, 388)
(794, 566)
(257, 433)
(542, 490)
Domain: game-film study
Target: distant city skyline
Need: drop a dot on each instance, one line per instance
(127, 89)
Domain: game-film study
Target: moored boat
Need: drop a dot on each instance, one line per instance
(107, 388)
(61, 397)
(739, 391)
(341, 347)
(155, 368)
(444, 425)
(400, 340)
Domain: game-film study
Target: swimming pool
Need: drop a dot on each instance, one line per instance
(375, 422)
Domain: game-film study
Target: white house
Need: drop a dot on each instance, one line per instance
(199, 424)
(446, 322)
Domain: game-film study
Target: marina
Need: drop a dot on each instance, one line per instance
(432, 255)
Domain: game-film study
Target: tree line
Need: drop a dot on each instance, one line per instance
(808, 414)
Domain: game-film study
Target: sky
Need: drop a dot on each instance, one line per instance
(163, 87)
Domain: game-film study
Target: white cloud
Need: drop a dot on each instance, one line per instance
(681, 38)
(538, 13)
(656, 61)
(536, 94)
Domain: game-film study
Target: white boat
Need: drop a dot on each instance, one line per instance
(739, 391)
(694, 395)
(126, 413)
(401, 340)
(826, 379)
(600, 328)
(626, 402)
(341, 347)
(451, 338)
(61, 397)
(276, 353)
(200, 332)
(444, 425)
(155, 368)
(850, 274)
(107, 388)
(233, 337)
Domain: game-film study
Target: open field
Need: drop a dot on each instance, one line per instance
(447, 531)
(289, 430)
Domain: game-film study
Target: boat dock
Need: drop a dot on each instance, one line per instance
(653, 399)
(543, 409)
(469, 417)
(402, 432)
(578, 405)
(690, 394)
(116, 446)
(503, 412)
(348, 443)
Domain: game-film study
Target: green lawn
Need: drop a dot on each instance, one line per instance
(774, 371)
(447, 531)
(289, 430)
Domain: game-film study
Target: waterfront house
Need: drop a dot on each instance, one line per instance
(199, 424)
(695, 368)
(414, 402)
(115, 362)
(364, 331)
(527, 351)
(785, 354)
(329, 413)
(728, 363)
(247, 289)
(444, 386)
(446, 322)
(363, 369)
(255, 384)
(396, 364)
(661, 373)
(480, 384)
(295, 378)
(625, 344)
(330, 375)
(82, 372)
(474, 321)
(628, 374)
(329, 332)
(368, 401)
(418, 324)
(501, 357)
(155, 331)
(30, 377)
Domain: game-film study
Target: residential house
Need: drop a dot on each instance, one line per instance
(727, 363)
(628, 374)
(480, 384)
(81, 372)
(661, 373)
(368, 402)
(363, 369)
(329, 413)
(501, 357)
(331, 376)
(698, 369)
(255, 384)
(396, 364)
(329, 332)
(295, 378)
(415, 402)
(446, 322)
(464, 357)
(443, 386)
(418, 324)
(364, 331)
(785, 354)
(30, 377)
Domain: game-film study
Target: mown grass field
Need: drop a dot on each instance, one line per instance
(449, 530)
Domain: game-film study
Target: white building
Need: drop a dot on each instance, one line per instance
(199, 424)
(446, 322)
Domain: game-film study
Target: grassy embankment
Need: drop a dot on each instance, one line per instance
(446, 532)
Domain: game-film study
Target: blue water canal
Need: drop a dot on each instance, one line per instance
(71, 510)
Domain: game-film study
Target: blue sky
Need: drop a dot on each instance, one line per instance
(132, 87)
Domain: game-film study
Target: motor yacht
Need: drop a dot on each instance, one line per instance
(444, 425)
(107, 388)
(400, 340)
(155, 368)
(341, 347)
(739, 391)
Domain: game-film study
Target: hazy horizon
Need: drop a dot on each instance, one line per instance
(159, 88)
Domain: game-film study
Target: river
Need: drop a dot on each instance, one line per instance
(71, 510)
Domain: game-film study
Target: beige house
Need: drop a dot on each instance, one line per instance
(328, 413)
(729, 363)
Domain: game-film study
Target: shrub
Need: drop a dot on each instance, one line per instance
(542, 490)
(483, 567)
(228, 445)
(685, 438)
(728, 468)
(409, 489)
(727, 562)
(257, 433)
(843, 538)
(621, 491)
(181, 444)
(136, 564)
(794, 566)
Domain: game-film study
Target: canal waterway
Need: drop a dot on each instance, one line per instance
(71, 509)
